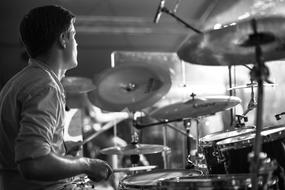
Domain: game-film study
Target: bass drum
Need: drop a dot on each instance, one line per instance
(150, 180)
(215, 182)
(215, 162)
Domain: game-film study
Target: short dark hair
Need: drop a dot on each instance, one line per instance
(41, 27)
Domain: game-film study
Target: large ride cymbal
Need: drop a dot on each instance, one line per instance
(75, 85)
(132, 86)
(133, 149)
(233, 44)
(196, 107)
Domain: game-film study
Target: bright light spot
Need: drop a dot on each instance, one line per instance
(217, 26)
(96, 127)
(246, 15)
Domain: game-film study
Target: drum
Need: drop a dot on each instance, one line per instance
(150, 180)
(215, 182)
(215, 164)
(83, 183)
(84, 187)
(235, 150)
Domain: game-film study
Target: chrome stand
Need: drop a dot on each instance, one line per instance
(194, 161)
(259, 73)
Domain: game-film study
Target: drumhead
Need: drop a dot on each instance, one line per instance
(151, 178)
(209, 139)
(212, 182)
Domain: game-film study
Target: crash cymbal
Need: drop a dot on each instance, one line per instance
(132, 86)
(77, 84)
(137, 168)
(196, 107)
(249, 85)
(135, 149)
(233, 44)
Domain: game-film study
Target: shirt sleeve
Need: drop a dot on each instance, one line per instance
(37, 125)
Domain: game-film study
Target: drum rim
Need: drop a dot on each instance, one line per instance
(243, 179)
(206, 143)
(124, 185)
(278, 135)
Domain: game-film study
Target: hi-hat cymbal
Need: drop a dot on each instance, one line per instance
(137, 168)
(76, 85)
(132, 86)
(196, 107)
(132, 149)
(233, 44)
(249, 85)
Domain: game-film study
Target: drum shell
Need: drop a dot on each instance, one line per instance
(214, 164)
(236, 160)
(139, 181)
(213, 156)
(235, 154)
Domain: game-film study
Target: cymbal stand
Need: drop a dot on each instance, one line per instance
(251, 105)
(238, 123)
(252, 102)
(231, 93)
(278, 116)
(259, 73)
(135, 140)
(187, 125)
(166, 123)
(198, 156)
(135, 158)
(165, 153)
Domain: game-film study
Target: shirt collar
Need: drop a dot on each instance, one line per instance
(43, 66)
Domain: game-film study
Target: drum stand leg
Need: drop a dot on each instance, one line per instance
(190, 164)
(259, 73)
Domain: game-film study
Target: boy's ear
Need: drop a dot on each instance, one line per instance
(62, 40)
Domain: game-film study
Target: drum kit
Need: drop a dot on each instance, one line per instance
(239, 158)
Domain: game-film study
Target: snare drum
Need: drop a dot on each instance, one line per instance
(214, 161)
(214, 182)
(150, 180)
(235, 150)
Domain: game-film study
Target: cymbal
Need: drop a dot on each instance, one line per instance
(137, 168)
(196, 107)
(132, 86)
(232, 44)
(249, 85)
(135, 149)
(77, 84)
